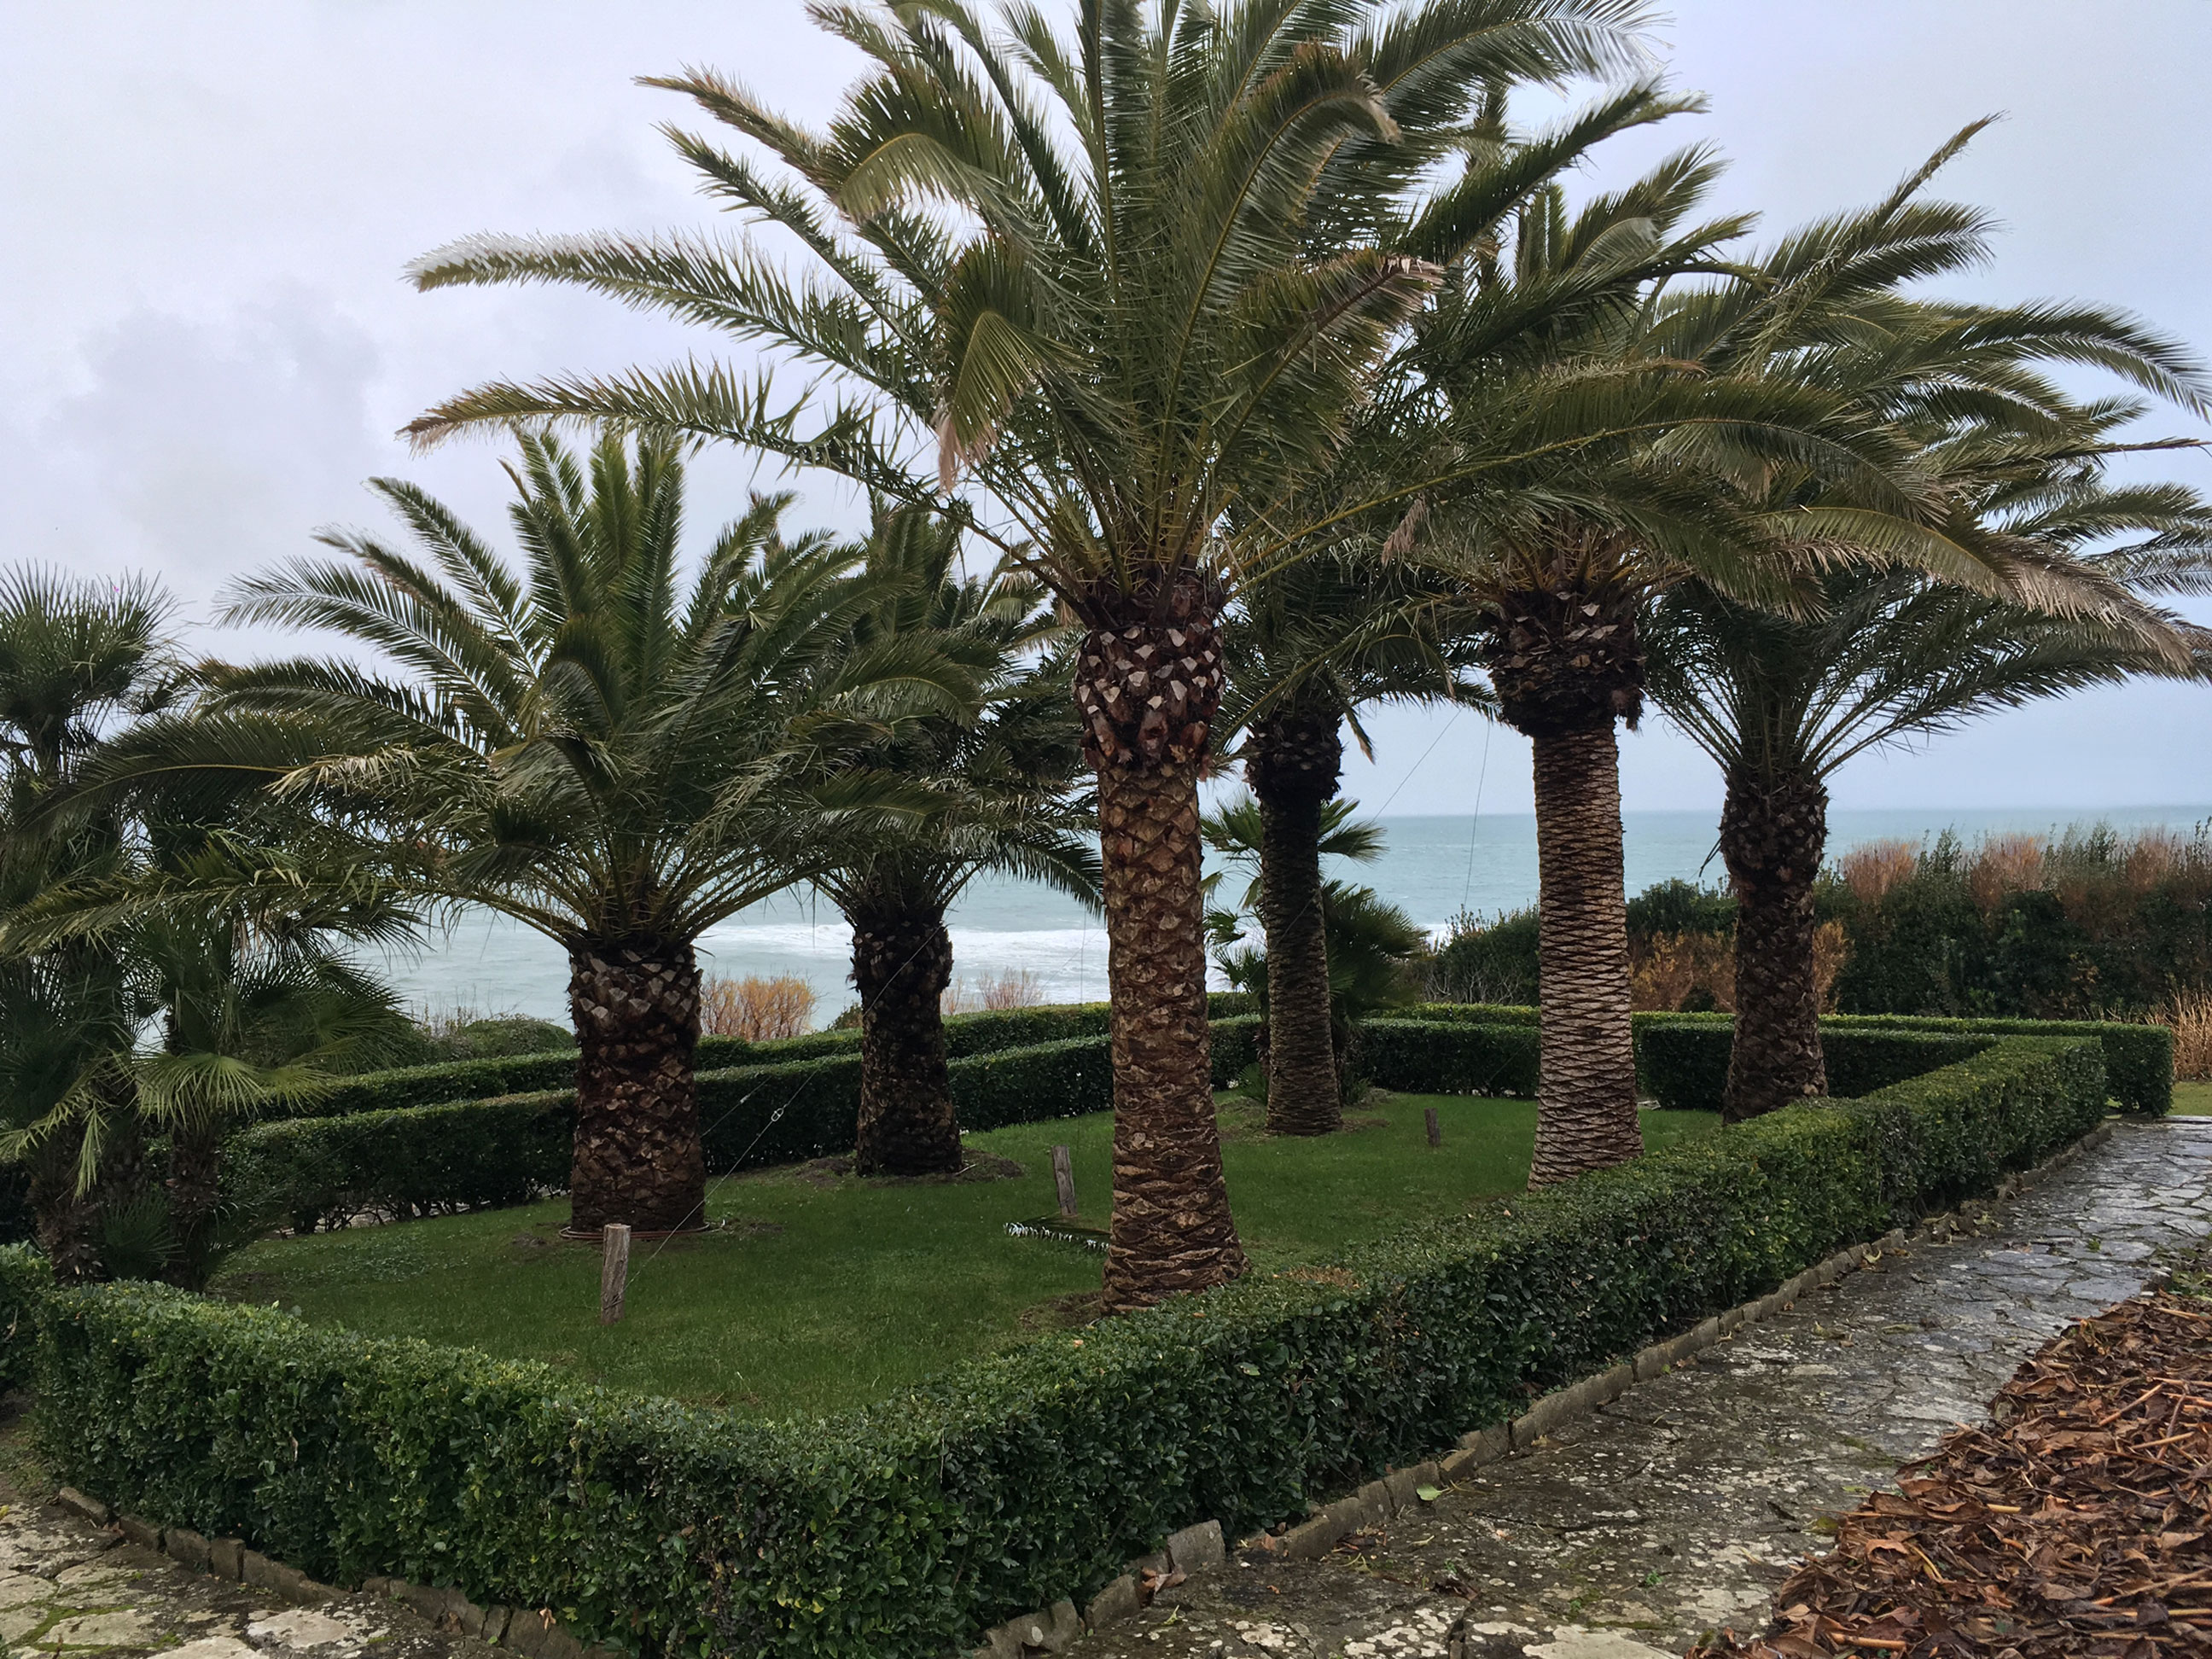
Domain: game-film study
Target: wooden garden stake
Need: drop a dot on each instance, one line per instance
(614, 1270)
(1435, 1130)
(1063, 1177)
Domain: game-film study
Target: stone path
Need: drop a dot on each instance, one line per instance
(68, 1587)
(1675, 1509)
(1671, 1511)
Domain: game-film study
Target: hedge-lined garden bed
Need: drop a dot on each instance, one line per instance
(905, 1529)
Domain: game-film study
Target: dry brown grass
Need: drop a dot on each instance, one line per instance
(1673, 968)
(758, 1010)
(1017, 987)
(1873, 867)
(2191, 1015)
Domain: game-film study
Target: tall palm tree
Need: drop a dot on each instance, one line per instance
(77, 658)
(1781, 702)
(612, 755)
(1306, 649)
(1561, 575)
(1139, 335)
(1003, 778)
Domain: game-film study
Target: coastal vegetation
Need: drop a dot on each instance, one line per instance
(1207, 374)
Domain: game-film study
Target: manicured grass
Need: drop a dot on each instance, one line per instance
(2193, 1099)
(823, 1292)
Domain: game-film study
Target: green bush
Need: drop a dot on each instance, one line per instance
(492, 1076)
(2138, 1058)
(1485, 960)
(1683, 1059)
(1029, 1475)
(1435, 1057)
(25, 1283)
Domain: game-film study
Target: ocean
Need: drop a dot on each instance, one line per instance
(1433, 868)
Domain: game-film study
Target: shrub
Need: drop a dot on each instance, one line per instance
(2190, 1018)
(756, 1009)
(2087, 924)
(1021, 1478)
(1017, 987)
(1429, 1057)
(1487, 962)
(1684, 1061)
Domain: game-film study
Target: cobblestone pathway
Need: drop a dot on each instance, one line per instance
(68, 1587)
(1668, 1512)
(1674, 1509)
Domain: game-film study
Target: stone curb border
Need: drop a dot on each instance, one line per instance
(532, 1632)
(1199, 1548)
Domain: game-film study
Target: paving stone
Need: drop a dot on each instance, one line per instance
(1676, 1508)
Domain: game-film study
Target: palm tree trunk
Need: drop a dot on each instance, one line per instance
(67, 1220)
(638, 1157)
(902, 963)
(1296, 758)
(1774, 830)
(1146, 691)
(1586, 1100)
(195, 1177)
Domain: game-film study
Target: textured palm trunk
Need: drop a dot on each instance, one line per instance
(1586, 1100)
(1296, 761)
(1774, 832)
(67, 1220)
(1567, 665)
(638, 1157)
(195, 1186)
(902, 963)
(1146, 690)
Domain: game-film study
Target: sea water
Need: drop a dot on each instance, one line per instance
(1432, 868)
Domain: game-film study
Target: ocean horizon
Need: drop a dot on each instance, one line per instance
(1434, 868)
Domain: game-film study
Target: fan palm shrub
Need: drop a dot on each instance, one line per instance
(612, 754)
(1127, 283)
(1003, 777)
(78, 659)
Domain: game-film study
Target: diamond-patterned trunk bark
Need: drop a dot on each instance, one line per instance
(1147, 690)
(638, 1157)
(1296, 758)
(1586, 1099)
(1566, 665)
(902, 963)
(1774, 832)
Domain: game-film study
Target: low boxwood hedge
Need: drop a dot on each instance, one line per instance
(1016, 1479)
(965, 1035)
(2138, 1058)
(1683, 1059)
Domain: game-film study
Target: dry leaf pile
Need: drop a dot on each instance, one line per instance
(2075, 1528)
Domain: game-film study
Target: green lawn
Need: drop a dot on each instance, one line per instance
(820, 1293)
(2194, 1099)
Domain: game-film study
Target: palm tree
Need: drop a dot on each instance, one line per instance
(1003, 776)
(1139, 335)
(1560, 575)
(76, 658)
(1306, 649)
(1781, 702)
(1367, 947)
(608, 755)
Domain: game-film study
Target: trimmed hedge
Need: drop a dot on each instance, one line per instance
(965, 1036)
(427, 1160)
(1021, 1478)
(2138, 1058)
(1683, 1059)
(1440, 1057)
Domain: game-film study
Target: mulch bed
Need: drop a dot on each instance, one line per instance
(2075, 1527)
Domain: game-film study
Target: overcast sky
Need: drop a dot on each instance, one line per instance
(205, 343)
